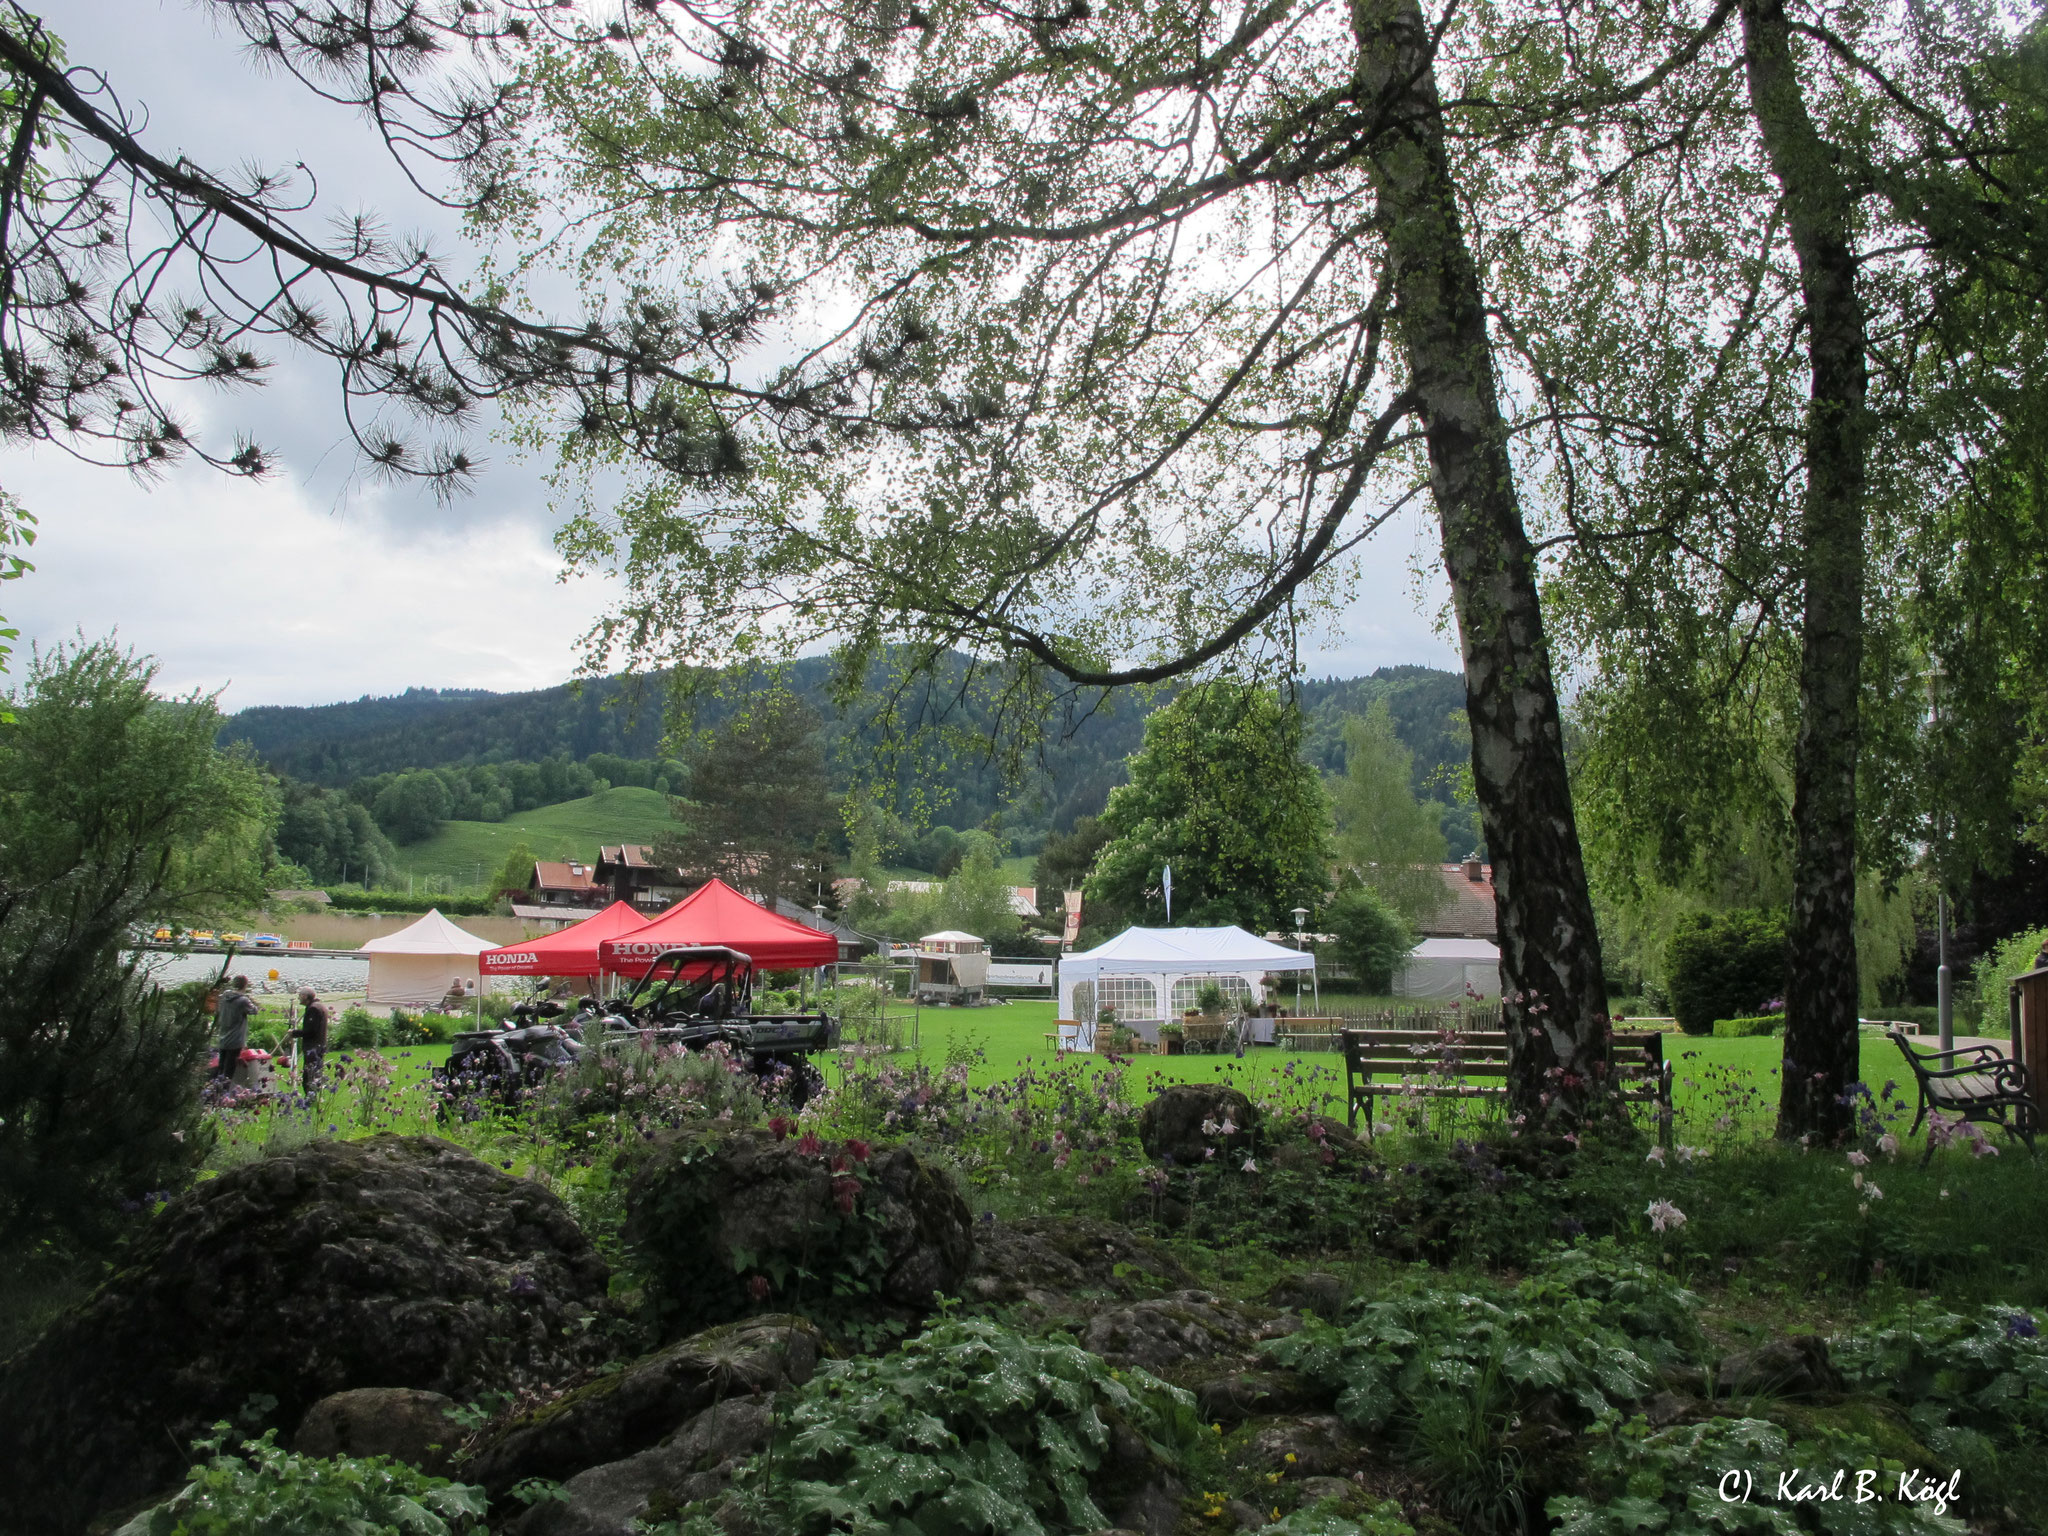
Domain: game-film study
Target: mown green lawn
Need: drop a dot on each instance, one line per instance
(573, 829)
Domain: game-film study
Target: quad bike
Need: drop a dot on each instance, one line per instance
(688, 998)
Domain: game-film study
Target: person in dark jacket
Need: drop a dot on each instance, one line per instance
(311, 1034)
(231, 1027)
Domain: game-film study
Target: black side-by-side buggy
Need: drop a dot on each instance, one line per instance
(688, 998)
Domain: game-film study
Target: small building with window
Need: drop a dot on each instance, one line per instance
(559, 883)
(1149, 975)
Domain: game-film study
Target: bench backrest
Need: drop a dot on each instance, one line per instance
(1413, 1052)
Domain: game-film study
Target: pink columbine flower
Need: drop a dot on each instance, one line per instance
(1656, 1156)
(1250, 1166)
(1859, 1160)
(1664, 1216)
(1210, 1127)
(1888, 1144)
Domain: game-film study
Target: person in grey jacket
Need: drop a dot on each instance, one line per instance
(231, 1026)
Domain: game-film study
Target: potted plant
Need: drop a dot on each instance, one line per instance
(1174, 1038)
(1210, 1000)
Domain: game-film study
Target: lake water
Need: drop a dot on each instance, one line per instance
(322, 973)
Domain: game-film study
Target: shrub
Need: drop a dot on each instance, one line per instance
(422, 1029)
(1997, 967)
(1743, 1029)
(266, 1491)
(967, 1427)
(1371, 938)
(1724, 967)
(359, 1029)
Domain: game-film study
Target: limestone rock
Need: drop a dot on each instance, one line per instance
(390, 1262)
(1166, 1333)
(695, 1463)
(1242, 1395)
(1068, 1265)
(1796, 1365)
(724, 1233)
(400, 1422)
(1171, 1125)
(640, 1406)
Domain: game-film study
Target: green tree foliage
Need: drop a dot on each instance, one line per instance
(1389, 841)
(1067, 857)
(1725, 967)
(1220, 792)
(516, 873)
(116, 810)
(758, 802)
(412, 806)
(17, 532)
(333, 837)
(1372, 938)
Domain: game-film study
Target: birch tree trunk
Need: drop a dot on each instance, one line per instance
(1554, 989)
(1821, 995)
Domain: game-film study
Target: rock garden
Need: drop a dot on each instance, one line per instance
(647, 1300)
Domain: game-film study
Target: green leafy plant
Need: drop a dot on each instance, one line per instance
(1743, 1029)
(266, 1491)
(358, 1029)
(1691, 1480)
(968, 1427)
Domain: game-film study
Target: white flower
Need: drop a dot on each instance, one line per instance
(1250, 1166)
(1857, 1181)
(1944, 1194)
(1664, 1216)
(1686, 1154)
(1656, 1156)
(1210, 1127)
(1858, 1160)
(1229, 1126)
(1983, 1148)
(1872, 1192)
(1888, 1144)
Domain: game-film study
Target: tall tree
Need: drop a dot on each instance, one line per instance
(757, 802)
(1392, 843)
(1220, 793)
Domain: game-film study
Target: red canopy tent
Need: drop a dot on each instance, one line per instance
(570, 951)
(715, 913)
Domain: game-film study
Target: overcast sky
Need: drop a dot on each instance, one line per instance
(314, 586)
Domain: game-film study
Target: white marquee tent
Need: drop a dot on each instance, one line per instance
(418, 966)
(1149, 975)
(1442, 970)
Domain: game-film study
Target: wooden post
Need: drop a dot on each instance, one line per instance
(2029, 1001)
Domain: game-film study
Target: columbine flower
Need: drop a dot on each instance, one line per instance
(1888, 1144)
(1686, 1154)
(1664, 1216)
(1872, 1192)
(2021, 1325)
(1210, 1127)
(1229, 1126)
(1858, 1160)
(1250, 1166)
(1857, 1181)
(1656, 1155)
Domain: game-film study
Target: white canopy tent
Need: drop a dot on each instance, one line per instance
(1149, 975)
(1442, 970)
(418, 966)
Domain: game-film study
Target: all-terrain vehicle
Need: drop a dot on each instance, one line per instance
(688, 998)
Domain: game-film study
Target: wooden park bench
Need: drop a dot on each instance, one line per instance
(1427, 1063)
(1979, 1082)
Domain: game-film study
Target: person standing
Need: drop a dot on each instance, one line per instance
(311, 1034)
(231, 1026)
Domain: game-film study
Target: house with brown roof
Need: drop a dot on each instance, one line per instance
(628, 871)
(1469, 911)
(564, 883)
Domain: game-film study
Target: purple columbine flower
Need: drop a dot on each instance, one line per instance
(2021, 1325)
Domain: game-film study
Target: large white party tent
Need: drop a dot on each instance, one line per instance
(418, 966)
(1449, 970)
(1149, 975)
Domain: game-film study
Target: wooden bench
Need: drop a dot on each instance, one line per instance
(1426, 1063)
(1979, 1083)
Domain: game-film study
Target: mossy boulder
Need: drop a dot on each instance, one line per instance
(390, 1262)
(638, 1406)
(1176, 1125)
(760, 1222)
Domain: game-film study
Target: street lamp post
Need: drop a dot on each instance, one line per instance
(1300, 942)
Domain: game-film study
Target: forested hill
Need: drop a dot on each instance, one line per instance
(337, 744)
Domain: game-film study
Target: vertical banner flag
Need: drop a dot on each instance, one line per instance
(1073, 918)
(1166, 885)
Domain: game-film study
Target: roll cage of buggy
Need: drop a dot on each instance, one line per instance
(688, 998)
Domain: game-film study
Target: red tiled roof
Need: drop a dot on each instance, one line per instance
(556, 875)
(1469, 914)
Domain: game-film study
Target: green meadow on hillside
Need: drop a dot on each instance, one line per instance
(470, 852)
